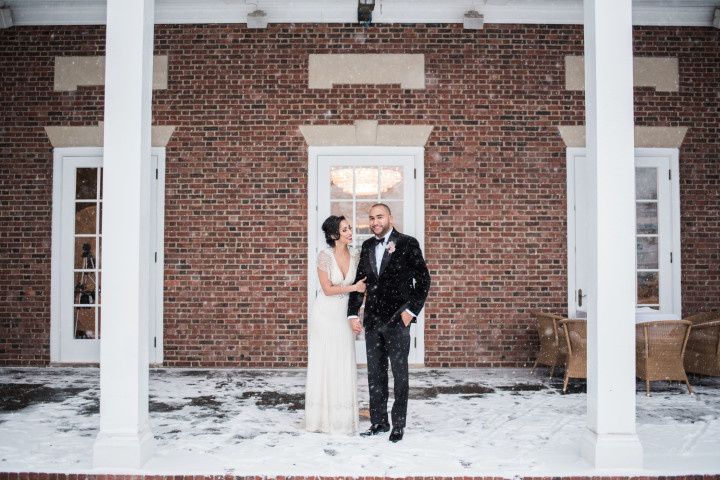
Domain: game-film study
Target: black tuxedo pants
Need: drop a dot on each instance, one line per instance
(388, 342)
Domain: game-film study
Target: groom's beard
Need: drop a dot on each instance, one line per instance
(384, 232)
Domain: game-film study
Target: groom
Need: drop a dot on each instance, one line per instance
(397, 285)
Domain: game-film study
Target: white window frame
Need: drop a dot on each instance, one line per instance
(313, 238)
(672, 154)
(156, 354)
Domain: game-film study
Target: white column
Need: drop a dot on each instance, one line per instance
(125, 439)
(611, 440)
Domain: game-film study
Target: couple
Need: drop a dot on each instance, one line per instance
(390, 274)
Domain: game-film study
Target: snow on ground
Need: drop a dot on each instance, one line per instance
(502, 422)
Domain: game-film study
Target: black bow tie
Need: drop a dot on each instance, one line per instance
(379, 241)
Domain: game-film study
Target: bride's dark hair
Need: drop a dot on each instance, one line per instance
(331, 228)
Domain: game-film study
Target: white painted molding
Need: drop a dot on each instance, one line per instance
(645, 137)
(71, 72)
(92, 136)
(662, 73)
(92, 12)
(366, 133)
(326, 70)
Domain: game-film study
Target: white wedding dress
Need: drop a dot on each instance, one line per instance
(331, 388)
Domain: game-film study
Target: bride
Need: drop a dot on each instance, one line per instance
(331, 388)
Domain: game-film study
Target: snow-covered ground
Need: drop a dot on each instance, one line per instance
(502, 422)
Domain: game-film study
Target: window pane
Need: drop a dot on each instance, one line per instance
(648, 288)
(646, 183)
(342, 208)
(341, 182)
(85, 215)
(398, 215)
(647, 218)
(85, 253)
(366, 182)
(647, 253)
(391, 182)
(362, 224)
(86, 183)
(85, 288)
(84, 322)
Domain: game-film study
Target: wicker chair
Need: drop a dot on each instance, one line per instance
(553, 348)
(576, 339)
(659, 348)
(702, 355)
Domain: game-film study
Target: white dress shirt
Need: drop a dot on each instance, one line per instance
(380, 250)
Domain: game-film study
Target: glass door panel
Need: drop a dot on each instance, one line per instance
(80, 271)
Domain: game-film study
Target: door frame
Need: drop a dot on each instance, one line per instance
(418, 153)
(59, 154)
(672, 154)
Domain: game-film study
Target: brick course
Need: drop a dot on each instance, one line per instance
(236, 178)
(67, 476)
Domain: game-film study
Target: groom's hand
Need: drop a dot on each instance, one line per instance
(406, 318)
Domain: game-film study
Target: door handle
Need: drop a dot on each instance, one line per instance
(580, 297)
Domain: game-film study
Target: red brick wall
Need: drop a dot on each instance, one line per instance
(235, 234)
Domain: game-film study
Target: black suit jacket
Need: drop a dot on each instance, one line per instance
(391, 290)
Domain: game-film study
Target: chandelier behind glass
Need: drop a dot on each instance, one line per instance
(366, 180)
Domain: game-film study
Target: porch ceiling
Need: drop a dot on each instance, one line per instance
(91, 12)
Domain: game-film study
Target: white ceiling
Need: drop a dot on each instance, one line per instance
(90, 12)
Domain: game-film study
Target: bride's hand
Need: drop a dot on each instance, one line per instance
(360, 286)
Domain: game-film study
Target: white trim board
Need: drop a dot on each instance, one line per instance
(56, 355)
(93, 12)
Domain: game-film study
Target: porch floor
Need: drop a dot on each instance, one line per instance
(500, 422)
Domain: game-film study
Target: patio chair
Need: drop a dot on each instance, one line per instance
(702, 355)
(660, 347)
(553, 348)
(703, 317)
(576, 340)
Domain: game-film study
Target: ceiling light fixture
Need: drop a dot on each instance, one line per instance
(473, 20)
(257, 19)
(365, 181)
(6, 20)
(365, 9)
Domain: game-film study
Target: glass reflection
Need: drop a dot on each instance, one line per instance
(646, 183)
(85, 288)
(341, 183)
(648, 291)
(85, 217)
(647, 253)
(391, 182)
(85, 253)
(647, 218)
(86, 183)
(84, 323)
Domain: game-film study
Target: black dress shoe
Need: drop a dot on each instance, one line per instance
(376, 428)
(396, 435)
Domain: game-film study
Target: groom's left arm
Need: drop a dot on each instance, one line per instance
(416, 263)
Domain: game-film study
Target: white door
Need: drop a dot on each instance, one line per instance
(349, 185)
(583, 234)
(657, 234)
(79, 226)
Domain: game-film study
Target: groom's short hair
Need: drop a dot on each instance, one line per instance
(387, 209)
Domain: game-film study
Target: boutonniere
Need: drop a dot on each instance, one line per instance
(390, 247)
